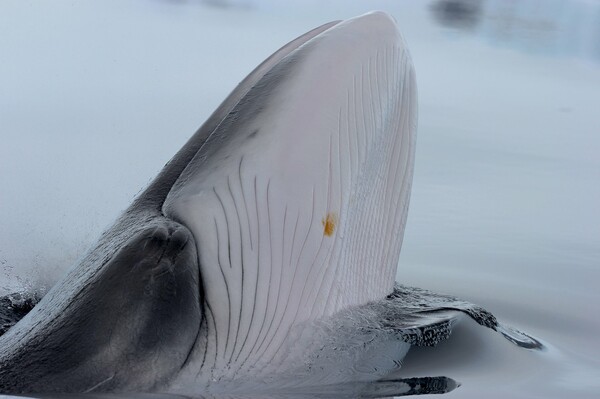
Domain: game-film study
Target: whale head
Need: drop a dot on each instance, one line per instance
(287, 206)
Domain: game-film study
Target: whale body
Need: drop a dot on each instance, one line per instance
(268, 243)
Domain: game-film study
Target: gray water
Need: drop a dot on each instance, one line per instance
(96, 97)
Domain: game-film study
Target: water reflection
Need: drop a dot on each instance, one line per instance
(460, 14)
(552, 27)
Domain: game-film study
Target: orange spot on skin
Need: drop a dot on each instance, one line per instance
(329, 224)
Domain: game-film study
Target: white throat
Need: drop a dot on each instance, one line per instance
(298, 200)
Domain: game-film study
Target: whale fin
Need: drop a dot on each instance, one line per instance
(297, 201)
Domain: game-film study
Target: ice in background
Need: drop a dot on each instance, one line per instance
(95, 97)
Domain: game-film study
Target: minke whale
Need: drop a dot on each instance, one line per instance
(266, 249)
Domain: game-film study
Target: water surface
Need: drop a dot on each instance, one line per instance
(97, 97)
